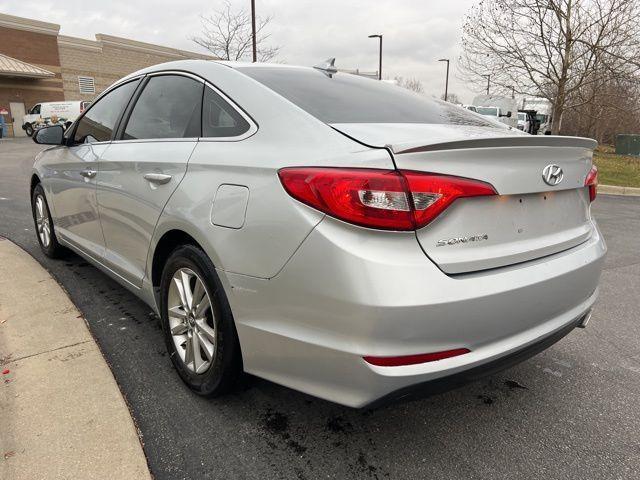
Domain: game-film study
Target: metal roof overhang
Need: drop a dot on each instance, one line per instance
(12, 67)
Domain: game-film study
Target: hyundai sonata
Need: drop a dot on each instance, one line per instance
(335, 234)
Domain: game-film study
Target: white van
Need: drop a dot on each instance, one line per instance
(52, 113)
(502, 109)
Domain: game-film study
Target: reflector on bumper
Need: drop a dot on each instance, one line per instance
(414, 359)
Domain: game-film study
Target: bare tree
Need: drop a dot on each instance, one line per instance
(605, 109)
(451, 98)
(227, 34)
(412, 84)
(551, 48)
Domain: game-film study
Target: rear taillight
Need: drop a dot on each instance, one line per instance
(433, 193)
(592, 182)
(384, 199)
(415, 359)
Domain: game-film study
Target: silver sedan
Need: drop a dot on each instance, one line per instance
(338, 235)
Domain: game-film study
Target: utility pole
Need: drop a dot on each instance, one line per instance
(446, 83)
(379, 55)
(488, 80)
(253, 30)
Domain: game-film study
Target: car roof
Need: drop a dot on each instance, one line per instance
(212, 69)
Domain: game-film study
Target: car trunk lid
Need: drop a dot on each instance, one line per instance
(528, 219)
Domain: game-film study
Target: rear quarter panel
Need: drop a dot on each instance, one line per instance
(275, 224)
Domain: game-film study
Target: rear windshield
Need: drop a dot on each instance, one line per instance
(346, 98)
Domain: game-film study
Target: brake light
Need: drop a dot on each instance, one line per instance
(415, 359)
(433, 193)
(592, 182)
(383, 199)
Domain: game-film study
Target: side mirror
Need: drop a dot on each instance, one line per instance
(52, 135)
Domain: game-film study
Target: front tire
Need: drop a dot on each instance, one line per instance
(28, 128)
(43, 222)
(198, 326)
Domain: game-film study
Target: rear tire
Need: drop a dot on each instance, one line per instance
(43, 222)
(198, 325)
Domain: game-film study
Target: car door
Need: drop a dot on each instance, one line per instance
(144, 165)
(72, 170)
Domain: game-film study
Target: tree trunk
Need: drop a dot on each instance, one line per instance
(558, 107)
(561, 94)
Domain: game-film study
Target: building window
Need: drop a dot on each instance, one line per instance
(87, 85)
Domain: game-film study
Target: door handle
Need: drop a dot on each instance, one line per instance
(88, 173)
(159, 178)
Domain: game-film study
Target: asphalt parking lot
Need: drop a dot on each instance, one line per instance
(571, 412)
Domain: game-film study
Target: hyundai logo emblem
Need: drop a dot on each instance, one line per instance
(552, 175)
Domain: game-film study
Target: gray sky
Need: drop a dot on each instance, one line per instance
(416, 33)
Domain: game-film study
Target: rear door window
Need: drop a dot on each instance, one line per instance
(168, 107)
(98, 123)
(219, 119)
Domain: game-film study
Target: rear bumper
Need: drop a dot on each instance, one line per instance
(443, 384)
(348, 293)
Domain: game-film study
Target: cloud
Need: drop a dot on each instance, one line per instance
(416, 33)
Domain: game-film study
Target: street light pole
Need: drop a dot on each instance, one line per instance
(253, 31)
(379, 55)
(446, 83)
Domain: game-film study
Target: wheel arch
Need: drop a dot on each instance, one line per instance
(35, 180)
(166, 244)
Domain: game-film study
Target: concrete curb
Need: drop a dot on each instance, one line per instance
(63, 415)
(615, 190)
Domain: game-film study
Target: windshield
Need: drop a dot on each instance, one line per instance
(345, 98)
(490, 111)
(522, 116)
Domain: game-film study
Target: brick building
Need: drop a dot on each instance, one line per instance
(37, 64)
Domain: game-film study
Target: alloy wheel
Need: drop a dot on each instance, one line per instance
(191, 320)
(42, 221)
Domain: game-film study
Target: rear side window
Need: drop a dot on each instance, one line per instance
(345, 98)
(168, 107)
(219, 119)
(98, 123)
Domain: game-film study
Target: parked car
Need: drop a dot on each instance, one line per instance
(522, 121)
(52, 113)
(331, 233)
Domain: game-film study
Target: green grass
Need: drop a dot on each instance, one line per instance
(620, 170)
